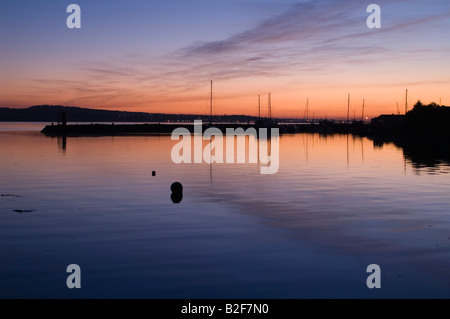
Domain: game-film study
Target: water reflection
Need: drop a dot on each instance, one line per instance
(432, 156)
(177, 192)
(336, 205)
(423, 154)
(62, 143)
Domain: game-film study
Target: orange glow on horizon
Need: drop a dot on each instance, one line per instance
(165, 64)
(230, 99)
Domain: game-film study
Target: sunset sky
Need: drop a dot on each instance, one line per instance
(159, 56)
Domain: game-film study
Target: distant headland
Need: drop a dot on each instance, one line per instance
(52, 113)
(428, 121)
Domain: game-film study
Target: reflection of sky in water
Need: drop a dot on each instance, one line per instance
(335, 206)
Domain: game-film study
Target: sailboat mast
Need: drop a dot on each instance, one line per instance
(307, 109)
(259, 105)
(348, 109)
(270, 107)
(210, 103)
(362, 116)
(406, 102)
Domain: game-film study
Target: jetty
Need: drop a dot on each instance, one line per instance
(422, 121)
(130, 129)
(323, 127)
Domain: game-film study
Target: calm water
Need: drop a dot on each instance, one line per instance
(337, 204)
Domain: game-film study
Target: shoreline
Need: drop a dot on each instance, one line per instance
(324, 128)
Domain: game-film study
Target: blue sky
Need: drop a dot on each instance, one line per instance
(159, 56)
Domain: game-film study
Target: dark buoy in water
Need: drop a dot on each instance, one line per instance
(176, 187)
(177, 192)
(153, 173)
(176, 197)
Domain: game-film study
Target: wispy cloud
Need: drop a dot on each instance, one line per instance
(307, 40)
(307, 37)
(299, 23)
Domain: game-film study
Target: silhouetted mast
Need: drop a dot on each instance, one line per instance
(306, 113)
(398, 109)
(307, 108)
(210, 104)
(362, 116)
(406, 102)
(348, 109)
(270, 107)
(259, 106)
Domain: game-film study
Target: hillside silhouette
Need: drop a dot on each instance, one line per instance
(52, 113)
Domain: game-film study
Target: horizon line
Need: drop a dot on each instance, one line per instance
(190, 114)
